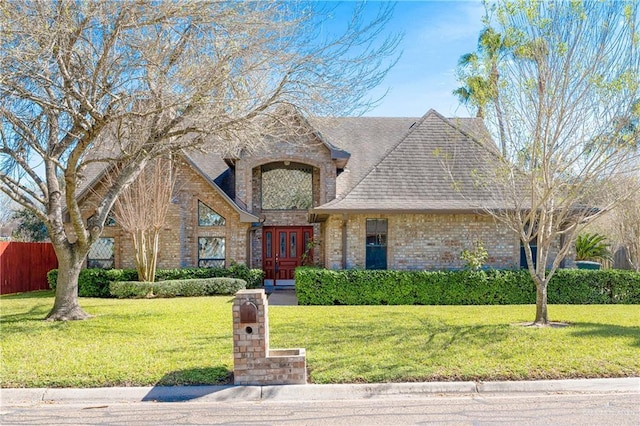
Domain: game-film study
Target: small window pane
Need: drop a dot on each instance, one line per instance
(110, 221)
(208, 217)
(283, 244)
(268, 242)
(101, 254)
(211, 252)
(292, 245)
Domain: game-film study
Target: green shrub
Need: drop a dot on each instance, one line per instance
(592, 247)
(130, 289)
(493, 287)
(95, 282)
(581, 286)
(253, 277)
(176, 288)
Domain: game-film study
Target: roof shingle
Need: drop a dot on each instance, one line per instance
(437, 165)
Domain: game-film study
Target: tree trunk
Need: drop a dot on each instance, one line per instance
(66, 305)
(153, 256)
(542, 316)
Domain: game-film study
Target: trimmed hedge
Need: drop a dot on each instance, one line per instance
(95, 282)
(253, 277)
(581, 286)
(493, 287)
(176, 288)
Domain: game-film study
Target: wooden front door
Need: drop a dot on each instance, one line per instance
(283, 249)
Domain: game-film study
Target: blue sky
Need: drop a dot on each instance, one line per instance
(436, 34)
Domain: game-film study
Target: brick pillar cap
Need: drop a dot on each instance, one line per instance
(251, 291)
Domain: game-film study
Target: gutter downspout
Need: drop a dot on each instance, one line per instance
(345, 219)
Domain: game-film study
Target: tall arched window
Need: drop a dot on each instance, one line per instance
(287, 186)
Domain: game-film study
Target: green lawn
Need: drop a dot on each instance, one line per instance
(188, 341)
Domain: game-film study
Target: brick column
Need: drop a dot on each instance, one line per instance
(253, 362)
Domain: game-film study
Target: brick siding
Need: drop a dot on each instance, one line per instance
(178, 244)
(422, 241)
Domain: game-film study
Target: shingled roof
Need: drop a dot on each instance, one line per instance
(438, 165)
(412, 164)
(367, 139)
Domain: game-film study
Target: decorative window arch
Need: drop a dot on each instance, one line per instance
(287, 186)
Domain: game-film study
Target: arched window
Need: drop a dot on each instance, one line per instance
(287, 186)
(110, 221)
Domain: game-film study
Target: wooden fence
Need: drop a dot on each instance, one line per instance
(24, 266)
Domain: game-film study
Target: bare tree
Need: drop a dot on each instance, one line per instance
(212, 75)
(141, 211)
(6, 212)
(567, 91)
(623, 223)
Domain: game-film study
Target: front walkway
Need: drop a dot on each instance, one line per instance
(280, 297)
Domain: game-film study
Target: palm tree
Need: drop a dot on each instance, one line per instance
(480, 76)
(592, 247)
(473, 93)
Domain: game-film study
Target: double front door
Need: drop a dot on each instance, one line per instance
(283, 249)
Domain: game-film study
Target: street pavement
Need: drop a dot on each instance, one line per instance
(563, 402)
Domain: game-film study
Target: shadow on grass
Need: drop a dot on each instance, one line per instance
(587, 329)
(26, 322)
(39, 294)
(418, 337)
(192, 383)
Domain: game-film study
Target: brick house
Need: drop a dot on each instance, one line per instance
(365, 192)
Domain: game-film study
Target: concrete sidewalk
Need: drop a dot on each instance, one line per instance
(282, 298)
(21, 397)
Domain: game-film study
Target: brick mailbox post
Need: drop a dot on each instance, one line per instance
(254, 363)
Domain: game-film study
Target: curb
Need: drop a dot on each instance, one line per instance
(31, 396)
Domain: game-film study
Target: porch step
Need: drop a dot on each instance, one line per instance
(270, 286)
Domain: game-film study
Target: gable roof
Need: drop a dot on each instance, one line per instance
(437, 165)
(385, 164)
(366, 138)
(212, 168)
(245, 216)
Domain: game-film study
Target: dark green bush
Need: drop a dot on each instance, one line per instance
(253, 277)
(95, 282)
(581, 286)
(493, 287)
(130, 289)
(176, 288)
